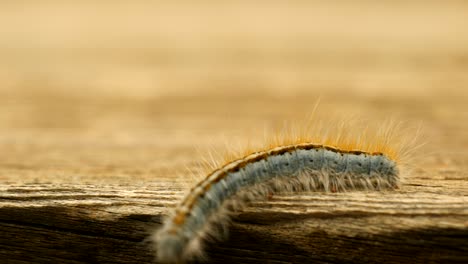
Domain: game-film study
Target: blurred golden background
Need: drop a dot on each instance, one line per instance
(125, 91)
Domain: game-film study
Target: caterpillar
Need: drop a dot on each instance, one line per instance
(301, 164)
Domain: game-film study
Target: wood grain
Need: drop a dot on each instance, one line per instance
(420, 223)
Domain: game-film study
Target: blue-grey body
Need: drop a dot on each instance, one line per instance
(297, 167)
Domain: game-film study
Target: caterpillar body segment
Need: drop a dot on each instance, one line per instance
(296, 167)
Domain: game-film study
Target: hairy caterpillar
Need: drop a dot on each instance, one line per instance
(345, 162)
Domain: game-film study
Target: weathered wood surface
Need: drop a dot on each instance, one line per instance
(421, 223)
(104, 103)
